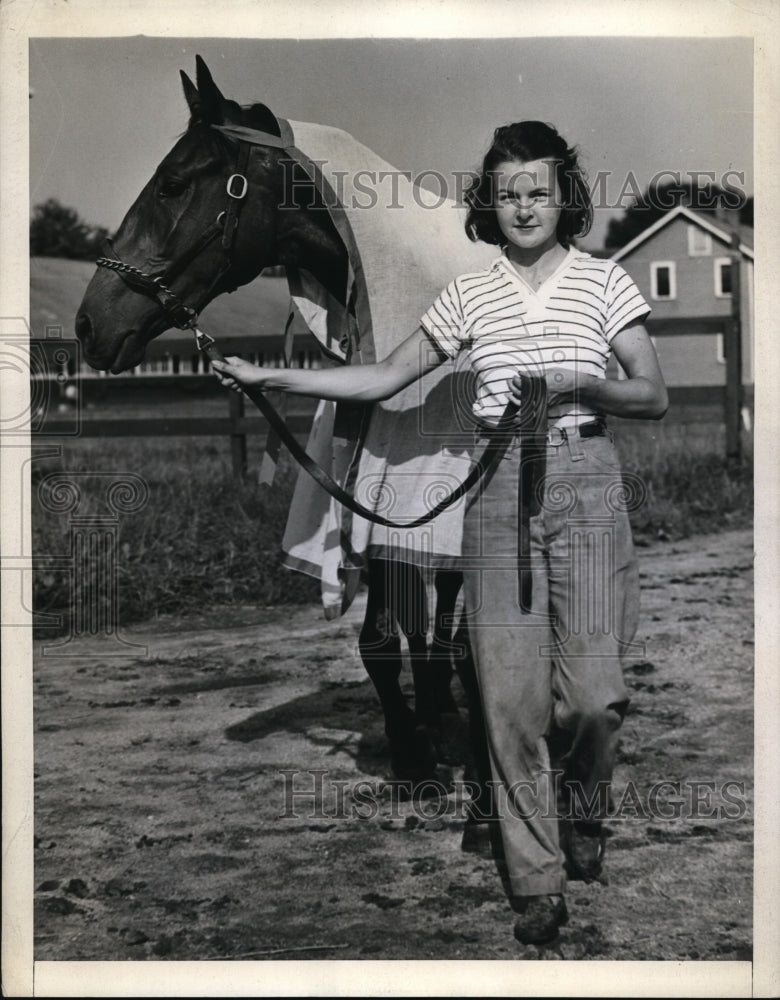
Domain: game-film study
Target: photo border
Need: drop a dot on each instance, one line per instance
(25, 19)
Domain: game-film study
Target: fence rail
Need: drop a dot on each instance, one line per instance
(238, 427)
(299, 424)
(171, 358)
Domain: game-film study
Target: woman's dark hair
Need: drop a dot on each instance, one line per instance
(526, 141)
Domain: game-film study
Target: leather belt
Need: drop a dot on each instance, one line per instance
(593, 428)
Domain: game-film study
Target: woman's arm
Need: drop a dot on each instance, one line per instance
(352, 383)
(642, 395)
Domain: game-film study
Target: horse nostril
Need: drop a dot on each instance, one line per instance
(84, 328)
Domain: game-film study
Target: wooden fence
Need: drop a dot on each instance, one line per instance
(57, 368)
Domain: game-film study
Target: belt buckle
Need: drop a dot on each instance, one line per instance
(557, 436)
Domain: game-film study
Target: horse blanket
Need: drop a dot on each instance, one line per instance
(401, 456)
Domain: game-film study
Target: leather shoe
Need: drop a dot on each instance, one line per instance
(585, 851)
(540, 919)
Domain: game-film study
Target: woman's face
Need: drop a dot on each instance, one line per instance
(528, 204)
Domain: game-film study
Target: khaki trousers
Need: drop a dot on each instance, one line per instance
(558, 668)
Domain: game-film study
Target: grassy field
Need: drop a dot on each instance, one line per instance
(690, 488)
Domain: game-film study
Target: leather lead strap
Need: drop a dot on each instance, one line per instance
(492, 454)
(273, 441)
(533, 464)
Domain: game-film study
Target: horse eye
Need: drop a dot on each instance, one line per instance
(171, 187)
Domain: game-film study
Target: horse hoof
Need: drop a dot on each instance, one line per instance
(477, 839)
(438, 784)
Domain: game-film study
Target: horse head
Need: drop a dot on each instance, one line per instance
(209, 220)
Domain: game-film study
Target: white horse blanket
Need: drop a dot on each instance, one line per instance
(401, 456)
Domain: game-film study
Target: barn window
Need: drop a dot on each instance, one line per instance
(723, 277)
(699, 242)
(663, 280)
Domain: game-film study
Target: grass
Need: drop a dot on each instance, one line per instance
(689, 486)
(201, 538)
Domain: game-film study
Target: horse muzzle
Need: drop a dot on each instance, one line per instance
(124, 351)
(115, 346)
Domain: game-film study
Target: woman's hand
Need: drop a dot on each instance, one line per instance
(236, 374)
(563, 385)
(640, 395)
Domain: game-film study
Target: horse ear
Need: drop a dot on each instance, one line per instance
(213, 107)
(262, 118)
(191, 94)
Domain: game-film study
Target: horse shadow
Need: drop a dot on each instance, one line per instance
(344, 717)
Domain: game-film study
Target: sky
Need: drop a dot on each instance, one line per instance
(104, 111)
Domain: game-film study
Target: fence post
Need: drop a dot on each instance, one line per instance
(733, 351)
(237, 437)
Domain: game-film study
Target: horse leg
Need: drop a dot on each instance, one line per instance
(409, 603)
(433, 691)
(447, 584)
(380, 650)
(409, 606)
(480, 829)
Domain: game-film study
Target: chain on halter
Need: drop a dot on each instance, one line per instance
(181, 315)
(118, 265)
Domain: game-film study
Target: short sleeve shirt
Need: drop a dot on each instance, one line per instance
(502, 326)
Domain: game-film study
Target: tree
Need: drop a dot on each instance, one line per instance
(661, 198)
(58, 231)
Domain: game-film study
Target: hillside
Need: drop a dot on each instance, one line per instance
(57, 287)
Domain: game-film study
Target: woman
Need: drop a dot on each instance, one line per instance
(549, 672)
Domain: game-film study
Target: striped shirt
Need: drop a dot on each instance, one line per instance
(502, 326)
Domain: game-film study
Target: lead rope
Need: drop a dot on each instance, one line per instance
(496, 447)
(273, 442)
(532, 444)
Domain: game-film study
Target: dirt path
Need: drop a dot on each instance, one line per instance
(160, 826)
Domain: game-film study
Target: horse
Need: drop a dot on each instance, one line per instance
(209, 220)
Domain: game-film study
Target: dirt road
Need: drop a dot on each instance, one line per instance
(162, 779)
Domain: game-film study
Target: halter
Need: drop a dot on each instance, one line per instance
(225, 227)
